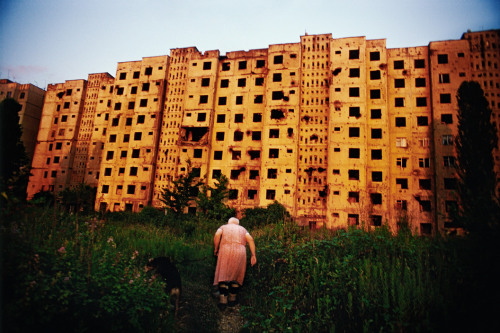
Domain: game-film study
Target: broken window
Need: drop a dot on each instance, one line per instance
(274, 133)
(136, 153)
(119, 90)
(242, 64)
(401, 204)
(399, 64)
(272, 173)
(353, 54)
(112, 138)
(444, 78)
(148, 71)
(254, 174)
(207, 65)
(254, 154)
(353, 219)
(376, 154)
(251, 194)
(238, 136)
(109, 155)
(242, 82)
(376, 198)
(221, 118)
(277, 77)
(123, 76)
(270, 194)
(399, 102)
(422, 121)
(447, 140)
(222, 100)
(449, 161)
(424, 162)
(235, 173)
(376, 220)
(257, 117)
(425, 205)
(216, 173)
(354, 132)
(278, 59)
(401, 162)
(419, 63)
(226, 66)
(218, 155)
(353, 152)
(277, 114)
(447, 118)
(219, 136)
(353, 197)
(421, 101)
(376, 133)
(354, 92)
(399, 83)
(259, 81)
(400, 122)
(130, 189)
(375, 75)
(236, 155)
(353, 72)
(442, 58)
(374, 56)
(451, 206)
(133, 171)
(274, 153)
(105, 189)
(353, 174)
(145, 86)
(354, 111)
(376, 176)
(258, 99)
(256, 135)
(205, 82)
(445, 98)
(402, 182)
(203, 99)
(336, 71)
(261, 63)
(424, 184)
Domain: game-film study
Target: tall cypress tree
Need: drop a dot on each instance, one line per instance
(475, 164)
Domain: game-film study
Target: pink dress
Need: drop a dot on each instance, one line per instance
(232, 255)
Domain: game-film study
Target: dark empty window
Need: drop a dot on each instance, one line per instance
(226, 66)
(238, 136)
(424, 184)
(205, 82)
(353, 72)
(143, 102)
(207, 65)
(202, 116)
(259, 81)
(242, 82)
(444, 78)
(278, 59)
(118, 106)
(375, 94)
(447, 118)
(218, 155)
(376, 154)
(354, 132)
(400, 122)
(376, 133)
(251, 194)
(399, 102)
(419, 63)
(119, 90)
(354, 111)
(353, 152)
(261, 63)
(376, 176)
(222, 100)
(442, 58)
(258, 99)
(133, 171)
(274, 133)
(253, 174)
(238, 118)
(277, 95)
(115, 121)
(353, 54)
(399, 83)
(123, 76)
(420, 82)
(353, 174)
(130, 189)
(402, 182)
(353, 197)
(140, 119)
(272, 173)
(422, 121)
(445, 98)
(399, 64)
(148, 71)
(224, 83)
(257, 117)
(136, 153)
(277, 77)
(421, 101)
(236, 155)
(374, 56)
(254, 154)
(137, 136)
(354, 92)
(374, 75)
(256, 135)
(376, 198)
(219, 136)
(274, 153)
(216, 173)
(221, 118)
(242, 65)
(145, 86)
(203, 99)
(105, 189)
(197, 153)
(136, 75)
(375, 113)
(270, 194)
(450, 183)
(233, 194)
(239, 100)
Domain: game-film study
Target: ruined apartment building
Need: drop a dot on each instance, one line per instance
(341, 131)
(30, 98)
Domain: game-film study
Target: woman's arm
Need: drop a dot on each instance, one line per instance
(217, 238)
(251, 245)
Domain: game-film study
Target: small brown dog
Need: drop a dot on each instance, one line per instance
(169, 273)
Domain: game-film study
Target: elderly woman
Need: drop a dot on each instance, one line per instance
(230, 241)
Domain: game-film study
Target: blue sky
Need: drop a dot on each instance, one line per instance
(50, 41)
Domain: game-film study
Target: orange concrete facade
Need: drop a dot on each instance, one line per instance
(340, 131)
(31, 99)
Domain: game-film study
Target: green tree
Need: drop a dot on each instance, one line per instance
(183, 190)
(14, 163)
(211, 200)
(80, 198)
(475, 142)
